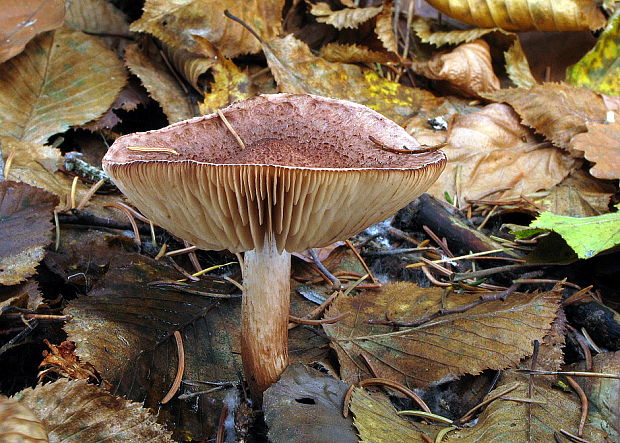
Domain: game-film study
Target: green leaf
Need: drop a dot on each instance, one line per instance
(587, 235)
(599, 69)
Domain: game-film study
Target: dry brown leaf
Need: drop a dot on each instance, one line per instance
(343, 18)
(22, 20)
(579, 195)
(492, 335)
(129, 98)
(489, 150)
(63, 78)
(75, 411)
(297, 70)
(556, 110)
(339, 53)
(96, 17)
(177, 22)
(25, 229)
(19, 424)
(516, 422)
(385, 30)
(63, 362)
(190, 66)
(525, 15)
(467, 68)
(601, 145)
(160, 83)
(516, 63)
(229, 85)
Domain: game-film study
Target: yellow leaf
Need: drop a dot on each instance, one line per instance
(525, 15)
(63, 78)
(229, 85)
(599, 69)
(297, 70)
(343, 18)
(342, 53)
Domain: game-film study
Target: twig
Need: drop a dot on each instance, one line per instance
(397, 387)
(230, 128)
(361, 260)
(397, 251)
(462, 257)
(574, 437)
(573, 373)
(486, 272)
(94, 188)
(319, 309)
(465, 418)
(583, 344)
(180, 369)
(579, 295)
(129, 215)
(193, 258)
(180, 251)
(432, 279)
(307, 321)
(315, 258)
(13, 342)
(584, 403)
(442, 243)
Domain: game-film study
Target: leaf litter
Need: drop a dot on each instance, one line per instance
(514, 153)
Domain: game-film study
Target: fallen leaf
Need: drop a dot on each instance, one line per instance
(467, 68)
(377, 421)
(129, 98)
(124, 327)
(191, 66)
(62, 361)
(516, 422)
(601, 146)
(599, 69)
(160, 83)
(344, 53)
(25, 295)
(18, 423)
(74, 411)
(578, 195)
(22, 20)
(587, 235)
(96, 17)
(556, 110)
(525, 15)
(63, 78)
(343, 18)
(604, 393)
(297, 70)
(25, 228)
(177, 22)
(515, 61)
(489, 149)
(492, 335)
(229, 85)
(306, 406)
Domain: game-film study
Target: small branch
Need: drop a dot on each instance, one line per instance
(471, 412)
(230, 128)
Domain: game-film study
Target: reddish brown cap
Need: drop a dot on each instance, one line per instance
(309, 176)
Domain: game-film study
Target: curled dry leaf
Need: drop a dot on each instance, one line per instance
(63, 78)
(556, 110)
(601, 145)
(525, 15)
(176, 23)
(578, 195)
(160, 83)
(516, 63)
(467, 68)
(342, 53)
(19, 424)
(22, 20)
(306, 406)
(191, 66)
(343, 18)
(96, 17)
(61, 360)
(489, 150)
(599, 69)
(25, 228)
(75, 411)
(492, 335)
(297, 70)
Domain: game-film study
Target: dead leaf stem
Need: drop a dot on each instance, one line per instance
(584, 403)
(465, 418)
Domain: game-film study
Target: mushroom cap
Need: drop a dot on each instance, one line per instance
(309, 175)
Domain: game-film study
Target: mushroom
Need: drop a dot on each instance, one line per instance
(311, 173)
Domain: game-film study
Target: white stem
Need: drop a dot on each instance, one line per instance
(265, 310)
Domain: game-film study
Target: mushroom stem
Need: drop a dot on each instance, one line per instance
(265, 310)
